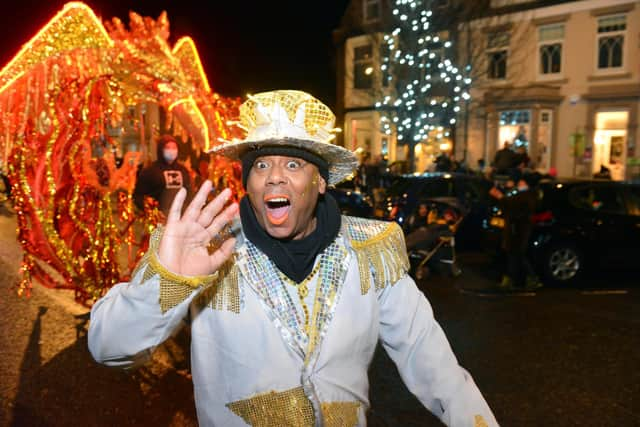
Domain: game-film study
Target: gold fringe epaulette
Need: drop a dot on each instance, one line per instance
(380, 250)
(174, 288)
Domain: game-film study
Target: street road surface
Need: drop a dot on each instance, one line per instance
(555, 357)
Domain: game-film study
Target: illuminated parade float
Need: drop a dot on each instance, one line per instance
(82, 104)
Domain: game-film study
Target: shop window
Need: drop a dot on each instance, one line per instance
(610, 39)
(514, 128)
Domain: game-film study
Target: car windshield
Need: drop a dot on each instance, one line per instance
(399, 186)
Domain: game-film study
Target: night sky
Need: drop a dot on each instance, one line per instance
(245, 46)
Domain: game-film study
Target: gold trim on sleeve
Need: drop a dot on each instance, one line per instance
(174, 288)
(225, 292)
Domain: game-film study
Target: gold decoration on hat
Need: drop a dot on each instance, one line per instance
(295, 119)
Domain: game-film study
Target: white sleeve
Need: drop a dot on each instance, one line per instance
(127, 324)
(417, 344)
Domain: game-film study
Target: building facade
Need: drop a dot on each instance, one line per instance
(561, 78)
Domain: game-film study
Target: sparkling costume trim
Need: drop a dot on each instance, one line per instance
(292, 408)
(221, 288)
(479, 421)
(380, 249)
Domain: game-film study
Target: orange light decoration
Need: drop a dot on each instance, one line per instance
(185, 50)
(66, 103)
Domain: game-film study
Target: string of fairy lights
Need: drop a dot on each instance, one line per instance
(423, 89)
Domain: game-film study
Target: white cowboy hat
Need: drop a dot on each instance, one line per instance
(290, 118)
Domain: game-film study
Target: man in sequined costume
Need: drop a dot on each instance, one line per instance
(286, 315)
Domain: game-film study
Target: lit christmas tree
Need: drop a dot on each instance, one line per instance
(423, 90)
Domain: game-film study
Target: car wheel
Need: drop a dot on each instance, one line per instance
(563, 264)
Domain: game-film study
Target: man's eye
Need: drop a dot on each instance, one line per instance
(293, 164)
(260, 164)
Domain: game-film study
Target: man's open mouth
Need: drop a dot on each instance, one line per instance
(278, 207)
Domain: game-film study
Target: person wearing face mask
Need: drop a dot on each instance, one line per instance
(163, 178)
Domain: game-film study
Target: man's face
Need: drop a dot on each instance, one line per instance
(283, 192)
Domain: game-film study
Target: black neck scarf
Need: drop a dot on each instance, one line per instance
(295, 258)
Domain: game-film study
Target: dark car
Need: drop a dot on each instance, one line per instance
(471, 192)
(578, 225)
(350, 200)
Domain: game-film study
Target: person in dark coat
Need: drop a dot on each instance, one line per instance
(518, 204)
(163, 178)
(505, 160)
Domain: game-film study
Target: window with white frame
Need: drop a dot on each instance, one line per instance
(362, 67)
(497, 54)
(550, 39)
(610, 48)
(371, 10)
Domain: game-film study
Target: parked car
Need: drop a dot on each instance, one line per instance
(579, 225)
(470, 191)
(351, 201)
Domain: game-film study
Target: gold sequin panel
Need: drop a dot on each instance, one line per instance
(340, 414)
(292, 408)
(289, 408)
(176, 288)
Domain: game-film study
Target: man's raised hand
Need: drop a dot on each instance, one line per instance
(184, 247)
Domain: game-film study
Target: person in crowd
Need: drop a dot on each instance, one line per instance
(362, 177)
(522, 158)
(443, 163)
(518, 203)
(504, 160)
(286, 315)
(422, 217)
(163, 178)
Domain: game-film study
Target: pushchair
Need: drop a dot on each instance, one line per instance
(430, 240)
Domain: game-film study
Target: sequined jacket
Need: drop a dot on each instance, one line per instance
(263, 355)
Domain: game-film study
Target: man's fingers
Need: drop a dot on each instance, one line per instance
(213, 207)
(223, 218)
(193, 210)
(176, 206)
(222, 254)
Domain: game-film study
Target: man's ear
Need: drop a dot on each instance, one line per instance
(322, 185)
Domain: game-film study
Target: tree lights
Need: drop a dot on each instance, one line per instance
(423, 90)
